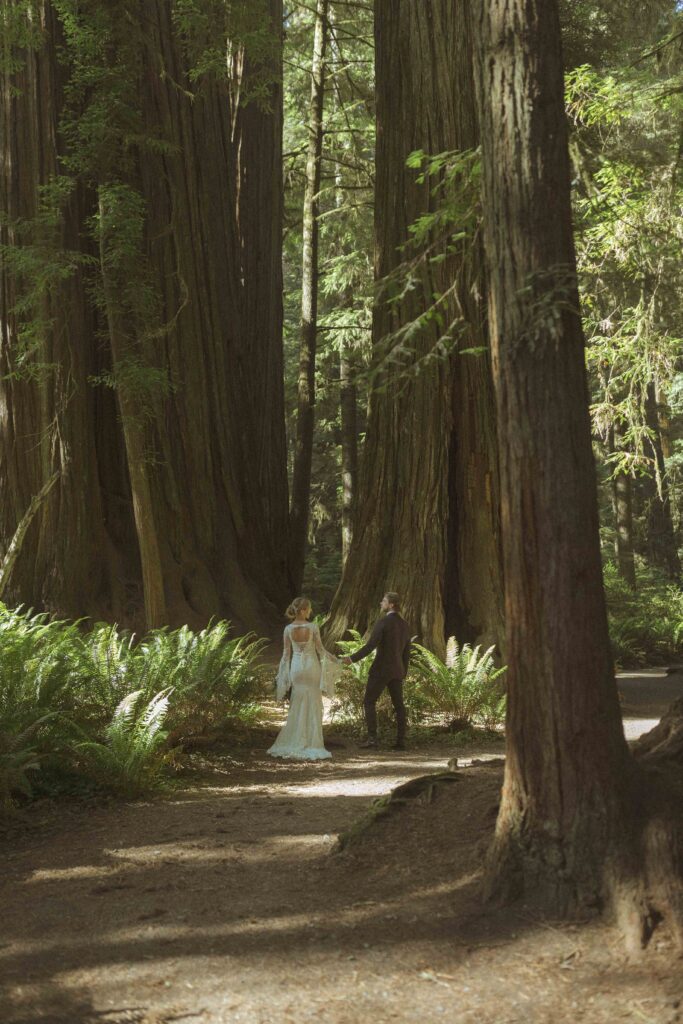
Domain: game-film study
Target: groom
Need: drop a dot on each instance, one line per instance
(391, 639)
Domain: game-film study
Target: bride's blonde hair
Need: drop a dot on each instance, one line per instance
(297, 605)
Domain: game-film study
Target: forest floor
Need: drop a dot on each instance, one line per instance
(228, 902)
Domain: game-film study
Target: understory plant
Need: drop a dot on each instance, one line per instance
(466, 689)
(645, 622)
(99, 708)
(130, 758)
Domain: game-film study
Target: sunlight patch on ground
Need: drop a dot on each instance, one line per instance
(69, 874)
(249, 848)
(636, 727)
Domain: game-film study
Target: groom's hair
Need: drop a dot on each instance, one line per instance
(394, 600)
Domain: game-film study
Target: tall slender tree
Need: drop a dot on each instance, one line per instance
(622, 490)
(661, 541)
(305, 418)
(574, 825)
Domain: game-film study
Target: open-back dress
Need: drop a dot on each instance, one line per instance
(310, 670)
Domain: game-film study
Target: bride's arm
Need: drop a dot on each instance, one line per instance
(282, 681)
(322, 651)
(330, 666)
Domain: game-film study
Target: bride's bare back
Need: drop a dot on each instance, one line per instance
(301, 633)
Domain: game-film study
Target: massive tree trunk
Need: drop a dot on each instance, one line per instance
(305, 416)
(207, 162)
(573, 824)
(427, 506)
(221, 490)
(474, 580)
(79, 555)
(115, 274)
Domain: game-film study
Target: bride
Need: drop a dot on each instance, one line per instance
(310, 671)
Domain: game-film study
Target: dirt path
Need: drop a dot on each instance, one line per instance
(225, 904)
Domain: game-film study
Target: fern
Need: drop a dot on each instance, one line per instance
(102, 706)
(133, 754)
(466, 688)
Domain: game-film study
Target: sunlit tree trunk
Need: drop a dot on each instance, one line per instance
(427, 510)
(573, 825)
(349, 448)
(622, 505)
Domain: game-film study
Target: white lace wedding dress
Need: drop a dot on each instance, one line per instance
(310, 670)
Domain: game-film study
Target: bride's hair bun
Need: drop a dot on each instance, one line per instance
(297, 605)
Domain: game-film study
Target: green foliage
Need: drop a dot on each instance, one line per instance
(221, 38)
(20, 32)
(130, 758)
(646, 624)
(466, 689)
(347, 705)
(630, 231)
(346, 251)
(436, 257)
(98, 706)
(215, 678)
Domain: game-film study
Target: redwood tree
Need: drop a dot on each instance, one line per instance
(574, 823)
(137, 103)
(426, 515)
(305, 417)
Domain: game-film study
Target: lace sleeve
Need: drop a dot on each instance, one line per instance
(282, 683)
(330, 666)
(317, 640)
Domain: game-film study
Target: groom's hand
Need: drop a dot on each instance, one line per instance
(346, 660)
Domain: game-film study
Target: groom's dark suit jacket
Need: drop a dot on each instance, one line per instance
(390, 637)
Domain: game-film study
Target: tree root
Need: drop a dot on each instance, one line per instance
(631, 870)
(664, 743)
(423, 789)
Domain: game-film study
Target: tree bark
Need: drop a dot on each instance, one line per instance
(571, 826)
(664, 744)
(348, 392)
(305, 418)
(427, 507)
(210, 183)
(132, 421)
(349, 449)
(221, 487)
(79, 555)
(661, 541)
(622, 491)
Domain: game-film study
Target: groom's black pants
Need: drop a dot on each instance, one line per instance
(373, 692)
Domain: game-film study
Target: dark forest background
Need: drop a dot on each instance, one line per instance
(244, 328)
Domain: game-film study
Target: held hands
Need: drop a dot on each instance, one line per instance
(346, 660)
